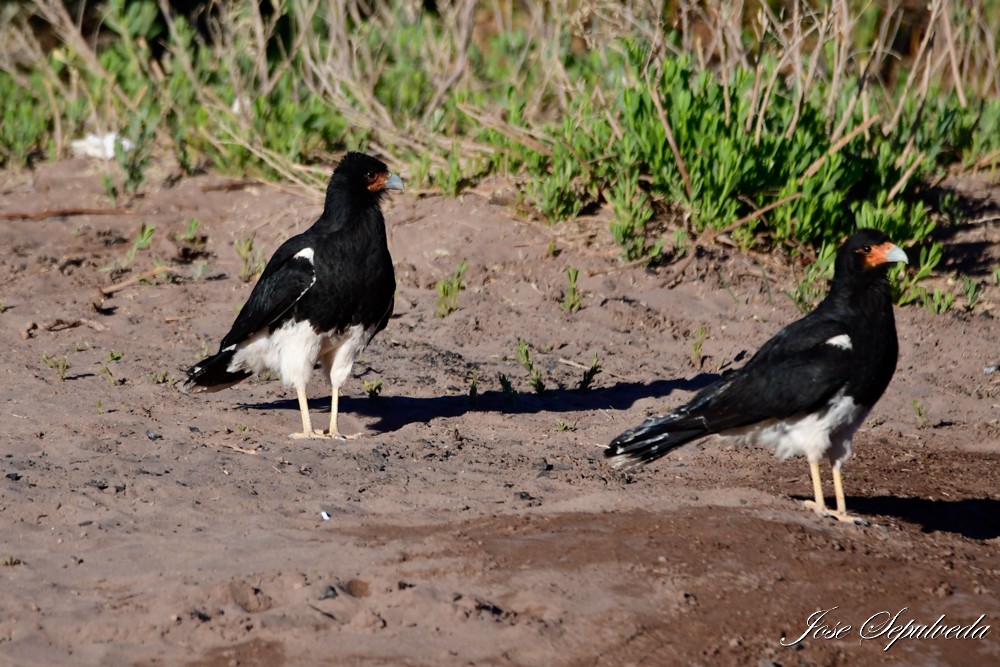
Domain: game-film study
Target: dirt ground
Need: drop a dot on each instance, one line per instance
(140, 526)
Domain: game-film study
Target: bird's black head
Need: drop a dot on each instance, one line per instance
(358, 182)
(868, 252)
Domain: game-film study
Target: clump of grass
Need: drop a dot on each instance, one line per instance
(506, 387)
(571, 297)
(473, 394)
(696, 346)
(523, 355)
(971, 289)
(142, 241)
(161, 377)
(252, 261)
(784, 111)
(105, 370)
(448, 289)
(809, 289)
(920, 412)
(937, 302)
(60, 365)
(134, 161)
(565, 426)
(373, 388)
(589, 374)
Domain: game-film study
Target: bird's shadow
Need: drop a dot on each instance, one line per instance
(975, 518)
(394, 412)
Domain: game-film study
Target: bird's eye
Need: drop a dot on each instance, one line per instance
(370, 176)
(866, 249)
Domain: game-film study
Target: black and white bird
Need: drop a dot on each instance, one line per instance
(322, 297)
(809, 388)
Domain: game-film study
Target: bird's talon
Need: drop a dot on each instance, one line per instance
(843, 517)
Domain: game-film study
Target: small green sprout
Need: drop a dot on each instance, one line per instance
(571, 298)
(373, 388)
(448, 289)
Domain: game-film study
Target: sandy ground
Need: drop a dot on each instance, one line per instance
(140, 526)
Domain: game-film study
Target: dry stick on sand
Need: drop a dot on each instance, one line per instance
(709, 234)
(107, 291)
(65, 213)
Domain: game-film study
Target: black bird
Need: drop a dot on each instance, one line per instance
(808, 389)
(322, 297)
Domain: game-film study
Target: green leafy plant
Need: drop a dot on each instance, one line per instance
(812, 286)
(448, 289)
(571, 297)
(373, 388)
(971, 289)
(920, 412)
(936, 302)
(523, 355)
(143, 239)
(589, 374)
(192, 234)
(105, 370)
(161, 377)
(783, 117)
(251, 259)
(110, 188)
(696, 346)
(473, 394)
(60, 365)
(506, 387)
(565, 426)
(133, 157)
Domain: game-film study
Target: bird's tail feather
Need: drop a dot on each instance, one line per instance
(213, 374)
(652, 439)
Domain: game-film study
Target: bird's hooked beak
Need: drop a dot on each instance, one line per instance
(396, 183)
(893, 253)
(384, 181)
(885, 253)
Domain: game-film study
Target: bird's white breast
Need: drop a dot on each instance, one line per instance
(291, 350)
(815, 435)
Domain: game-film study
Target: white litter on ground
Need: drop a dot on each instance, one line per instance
(100, 146)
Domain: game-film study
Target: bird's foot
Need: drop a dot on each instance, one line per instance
(315, 434)
(318, 434)
(843, 517)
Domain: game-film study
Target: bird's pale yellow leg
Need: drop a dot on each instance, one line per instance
(334, 431)
(841, 512)
(307, 430)
(838, 490)
(334, 399)
(819, 505)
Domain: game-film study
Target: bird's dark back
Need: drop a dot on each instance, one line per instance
(355, 281)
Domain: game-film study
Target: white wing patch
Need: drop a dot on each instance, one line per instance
(306, 254)
(843, 341)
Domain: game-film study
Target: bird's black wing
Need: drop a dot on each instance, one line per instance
(286, 278)
(795, 372)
